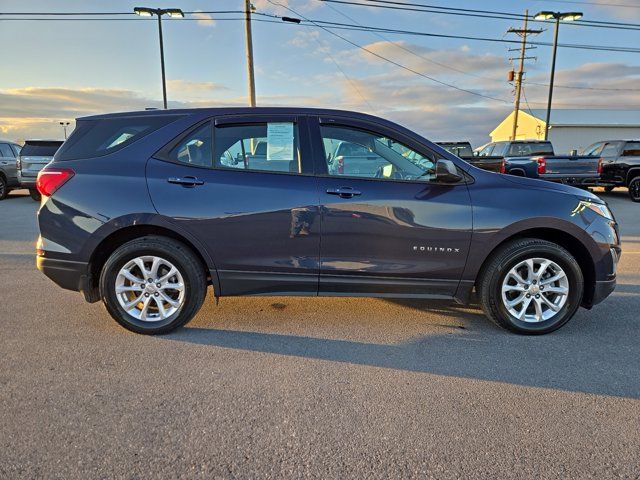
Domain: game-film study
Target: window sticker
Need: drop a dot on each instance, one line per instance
(280, 141)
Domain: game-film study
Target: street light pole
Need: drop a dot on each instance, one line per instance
(159, 12)
(64, 125)
(553, 73)
(558, 17)
(164, 80)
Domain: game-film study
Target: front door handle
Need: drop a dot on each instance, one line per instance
(185, 181)
(344, 192)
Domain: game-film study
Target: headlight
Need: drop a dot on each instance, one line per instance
(599, 208)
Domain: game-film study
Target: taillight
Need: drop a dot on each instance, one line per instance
(542, 164)
(19, 163)
(599, 165)
(503, 166)
(51, 179)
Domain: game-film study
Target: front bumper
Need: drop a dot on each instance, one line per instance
(602, 290)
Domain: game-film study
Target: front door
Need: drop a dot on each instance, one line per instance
(388, 228)
(244, 187)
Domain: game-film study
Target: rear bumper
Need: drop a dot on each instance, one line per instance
(65, 273)
(602, 290)
(26, 181)
(586, 180)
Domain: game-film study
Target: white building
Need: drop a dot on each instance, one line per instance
(572, 129)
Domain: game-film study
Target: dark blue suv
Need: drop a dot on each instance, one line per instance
(144, 210)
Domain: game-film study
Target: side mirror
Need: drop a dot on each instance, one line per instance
(573, 153)
(446, 172)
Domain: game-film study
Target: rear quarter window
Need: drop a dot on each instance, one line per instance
(99, 137)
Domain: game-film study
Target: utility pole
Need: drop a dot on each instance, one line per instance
(519, 74)
(249, 43)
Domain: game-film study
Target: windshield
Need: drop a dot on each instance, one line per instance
(460, 150)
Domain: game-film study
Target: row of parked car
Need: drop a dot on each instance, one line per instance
(608, 164)
(19, 165)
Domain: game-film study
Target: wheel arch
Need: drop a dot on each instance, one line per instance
(107, 245)
(566, 240)
(631, 174)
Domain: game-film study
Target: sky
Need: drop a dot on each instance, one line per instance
(60, 70)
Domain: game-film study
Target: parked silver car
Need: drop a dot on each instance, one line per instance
(9, 151)
(34, 156)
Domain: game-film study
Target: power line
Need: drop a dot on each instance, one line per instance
(418, 7)
(389, 60)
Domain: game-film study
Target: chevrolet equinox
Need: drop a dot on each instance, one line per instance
(144, 210)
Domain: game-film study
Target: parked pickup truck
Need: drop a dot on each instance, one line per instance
(536, 159)
(465, 151)
(620, 165)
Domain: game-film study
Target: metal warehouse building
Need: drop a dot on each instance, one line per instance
(572, 129)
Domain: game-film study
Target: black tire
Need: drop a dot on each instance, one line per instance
(4, 189)
(503, 260)
(189, 266)
(34, 194)
(609, 189)
(634, 189)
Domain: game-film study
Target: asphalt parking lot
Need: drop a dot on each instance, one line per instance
(308, 387)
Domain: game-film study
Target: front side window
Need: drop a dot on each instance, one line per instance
(610, 150)
(593, 149)
(357, 153)
(269, 147)
(5, 150)
(486, 150)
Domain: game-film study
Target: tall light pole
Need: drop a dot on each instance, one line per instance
(159, 12)
(558, 17)
(64, 125)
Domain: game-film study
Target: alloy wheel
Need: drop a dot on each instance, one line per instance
(535, 290)
(150, 288)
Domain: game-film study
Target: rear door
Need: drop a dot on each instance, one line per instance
(388, 230)
(244, 186)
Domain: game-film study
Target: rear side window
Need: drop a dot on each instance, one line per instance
(195, 148)
(95, 138)
(40, 149)
(528, 149)
(270, 147)
(632, 149)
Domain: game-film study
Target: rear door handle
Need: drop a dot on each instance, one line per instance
(344, 192)
(185, 181)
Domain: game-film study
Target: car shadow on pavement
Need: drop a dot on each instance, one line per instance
(593, 354)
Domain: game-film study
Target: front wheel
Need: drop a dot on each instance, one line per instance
(531, 286)
(634, 189)
(153, 285)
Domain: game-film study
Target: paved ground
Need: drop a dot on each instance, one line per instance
(327, 388)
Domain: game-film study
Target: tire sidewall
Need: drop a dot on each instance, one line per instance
(576, 286)
(635, 180)
(4, 188)
(110, 299)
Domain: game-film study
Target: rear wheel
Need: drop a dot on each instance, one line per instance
(153, 285)
(634, 189)
(34, 194)
(4, 189)
(531, 286)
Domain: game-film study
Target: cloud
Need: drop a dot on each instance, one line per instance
(204, 19)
